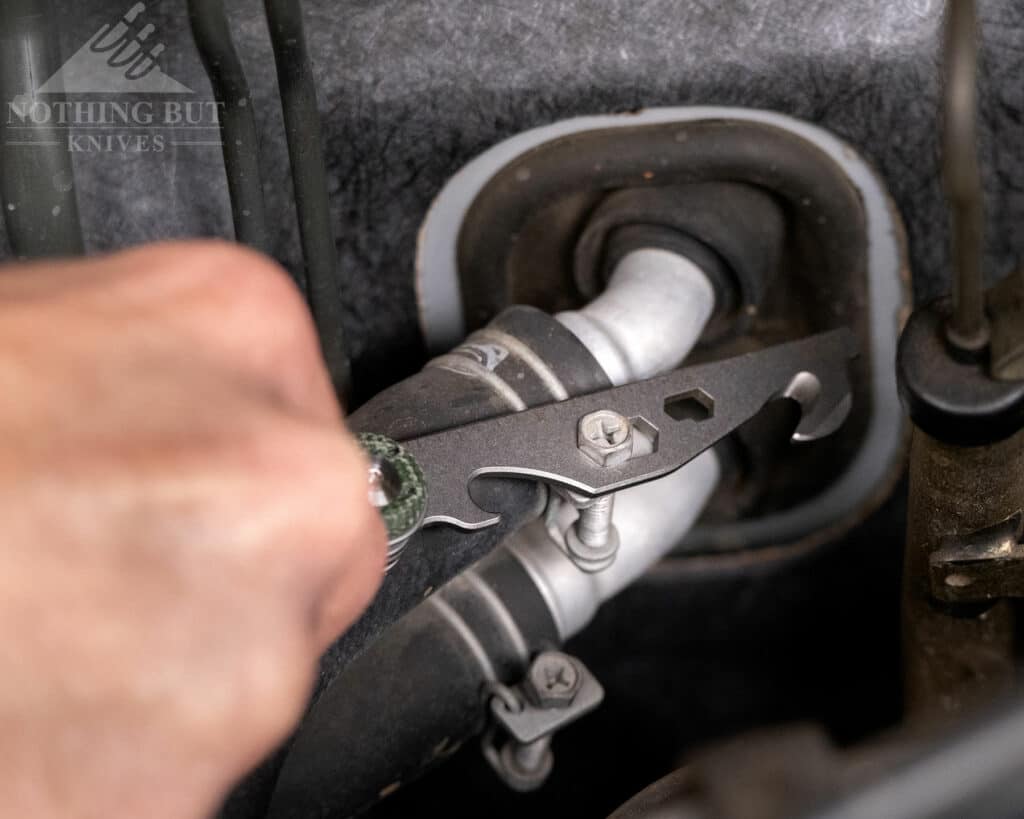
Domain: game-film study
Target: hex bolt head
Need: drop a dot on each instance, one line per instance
(605, 437)
(553, 680)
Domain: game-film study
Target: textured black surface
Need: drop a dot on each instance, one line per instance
(412, 89)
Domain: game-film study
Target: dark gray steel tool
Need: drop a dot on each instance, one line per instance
(617, 438)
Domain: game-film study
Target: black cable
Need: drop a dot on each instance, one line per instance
(237, 122)
(37, 184)
(302, 128)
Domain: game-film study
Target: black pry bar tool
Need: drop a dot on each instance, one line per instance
(542, 443)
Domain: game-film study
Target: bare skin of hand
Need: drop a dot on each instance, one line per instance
(185, 528)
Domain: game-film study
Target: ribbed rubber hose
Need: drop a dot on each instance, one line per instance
(212, 36)
(302, 128)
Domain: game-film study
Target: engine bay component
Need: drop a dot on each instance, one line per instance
(589, 547)
(537, 362)
(309, 177)
(432, 675)
(212, 34)
(958, 633)
(426, 678)
(680, 414)
(556, 691)
(539, 219)
(236, 119)
(532, 396)
(981, 566)
(649, 315)
(660, 301)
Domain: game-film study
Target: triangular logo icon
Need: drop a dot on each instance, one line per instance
(118, 59)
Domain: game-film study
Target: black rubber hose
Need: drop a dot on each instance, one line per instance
(302, 128)
(416, 694)
(37, 183)
(237, 122)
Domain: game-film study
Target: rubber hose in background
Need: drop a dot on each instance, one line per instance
(212, 35)
(416, 695)
(309, 174)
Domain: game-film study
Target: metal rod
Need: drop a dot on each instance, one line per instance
(594, 526)
(302, 127)
(37, 183)
(212, 36)
(967, 328)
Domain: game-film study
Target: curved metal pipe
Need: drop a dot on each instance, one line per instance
(212, 36)
(651, 520)
(646, 322)
(650, 316)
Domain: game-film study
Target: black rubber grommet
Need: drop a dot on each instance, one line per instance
(743, 225)
(728, 318)
(954, 401)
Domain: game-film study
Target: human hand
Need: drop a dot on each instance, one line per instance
(185, 527)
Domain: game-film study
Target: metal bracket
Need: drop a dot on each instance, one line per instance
(557, 691)
(987, 564)
(678, 416)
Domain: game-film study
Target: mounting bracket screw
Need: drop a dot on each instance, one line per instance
(605, 437)
(553, 680)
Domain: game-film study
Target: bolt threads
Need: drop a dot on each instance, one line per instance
(395, 551)
(592, 541)
(531, 756)
(594, 525)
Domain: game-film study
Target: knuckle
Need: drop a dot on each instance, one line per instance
(276, 685)
(248, 297)
(249, 280)
(251, 705)
(263, 292)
